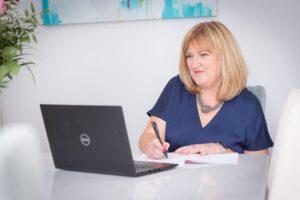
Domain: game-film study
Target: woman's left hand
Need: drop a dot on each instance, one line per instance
(202, 149)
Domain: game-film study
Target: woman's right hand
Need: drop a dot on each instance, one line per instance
(155, 150)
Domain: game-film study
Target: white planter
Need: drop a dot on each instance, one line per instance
(2, 114)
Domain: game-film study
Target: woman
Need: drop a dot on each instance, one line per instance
(207, 108)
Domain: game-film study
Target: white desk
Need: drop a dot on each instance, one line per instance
(243, 181)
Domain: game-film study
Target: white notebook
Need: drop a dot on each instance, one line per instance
(181, 160)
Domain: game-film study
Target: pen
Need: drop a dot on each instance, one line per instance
(154, 126)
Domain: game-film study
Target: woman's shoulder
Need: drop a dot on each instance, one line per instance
(247, 98)
(175, 81)
(176, 87)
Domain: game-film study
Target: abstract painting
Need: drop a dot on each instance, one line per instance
(78, 11)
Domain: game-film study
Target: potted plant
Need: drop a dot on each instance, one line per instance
(17, 29)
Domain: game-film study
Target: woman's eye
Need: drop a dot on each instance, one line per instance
(188, 56)
(204, 54)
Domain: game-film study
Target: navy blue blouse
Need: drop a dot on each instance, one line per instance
(239, 124)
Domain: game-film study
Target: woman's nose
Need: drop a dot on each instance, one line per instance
(197, 61)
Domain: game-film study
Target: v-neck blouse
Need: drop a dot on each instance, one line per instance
(239, 124)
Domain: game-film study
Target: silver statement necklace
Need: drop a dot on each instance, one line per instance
(207, 108)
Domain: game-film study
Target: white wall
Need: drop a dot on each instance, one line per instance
(128, 63)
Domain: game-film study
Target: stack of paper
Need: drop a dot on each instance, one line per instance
(181, 160)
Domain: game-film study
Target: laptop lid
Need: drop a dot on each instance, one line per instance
(90, 139)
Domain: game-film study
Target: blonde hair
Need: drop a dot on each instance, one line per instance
(215, 37)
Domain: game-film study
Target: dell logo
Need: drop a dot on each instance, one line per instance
(85, 139)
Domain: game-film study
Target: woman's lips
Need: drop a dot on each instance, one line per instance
(198, 71)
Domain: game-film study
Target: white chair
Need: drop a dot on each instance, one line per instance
(284, 171)
(20, 167)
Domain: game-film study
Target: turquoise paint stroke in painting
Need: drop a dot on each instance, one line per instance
(49, 17)
(131, 4)
(176, 8)
(141, 9)
(190, 11)
(169, 10)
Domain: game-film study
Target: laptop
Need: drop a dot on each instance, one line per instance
(93, 139)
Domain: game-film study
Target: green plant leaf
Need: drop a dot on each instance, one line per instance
(9, 52)
(27, 63)
(32, 7)
(3, 84)
(34, 81)
(3, 71)
(34, 38)
(13, 2)
(35, 20)
(13, 67)
(26, 13)
(2, 26)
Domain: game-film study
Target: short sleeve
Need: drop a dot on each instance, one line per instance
(257, 134)
(160, 109)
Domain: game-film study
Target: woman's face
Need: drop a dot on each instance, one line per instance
(203, 66)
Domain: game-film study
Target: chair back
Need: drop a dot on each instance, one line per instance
(284, 170)
(260, 92)
(20, 167)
